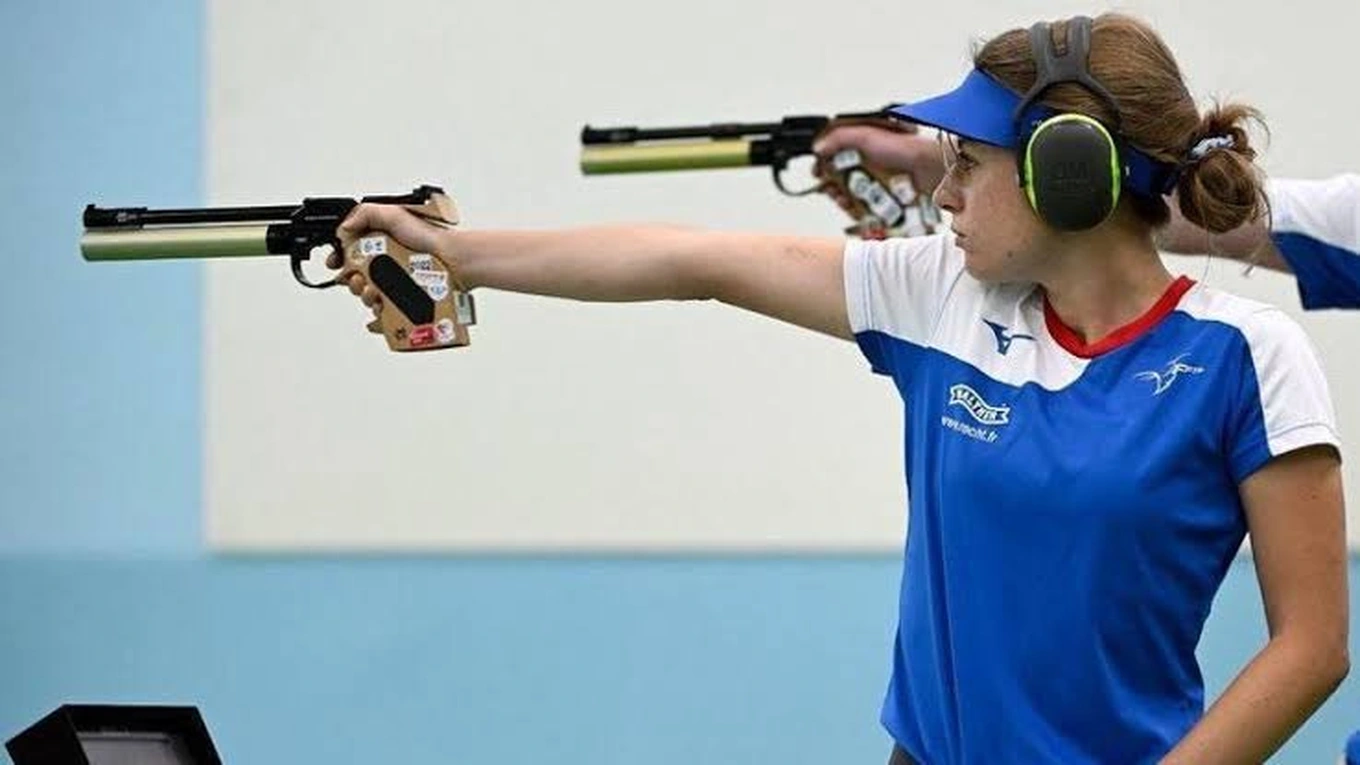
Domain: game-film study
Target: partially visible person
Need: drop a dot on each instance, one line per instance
(1312, 231)
(1311, 228)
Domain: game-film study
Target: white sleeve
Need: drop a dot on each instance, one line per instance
(1315, 226)
(1286, 403)
(896, 289)
(1327, 210)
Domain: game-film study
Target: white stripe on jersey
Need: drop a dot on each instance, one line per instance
(1326, 210)
(1295, 399)
(916, 290)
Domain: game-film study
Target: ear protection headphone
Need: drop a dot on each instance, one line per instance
(1069, 164)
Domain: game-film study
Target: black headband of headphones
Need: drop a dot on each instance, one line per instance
(1052, 68)
(1142, 173)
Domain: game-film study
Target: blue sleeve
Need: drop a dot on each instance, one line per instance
(872, 345)
(1328, 276)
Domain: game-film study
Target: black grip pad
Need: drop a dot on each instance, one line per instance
(399, 288)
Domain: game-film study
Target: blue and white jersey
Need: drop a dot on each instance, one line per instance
(1073, 508)
(1316, 227)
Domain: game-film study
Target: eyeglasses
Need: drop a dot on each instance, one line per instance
(957, 162)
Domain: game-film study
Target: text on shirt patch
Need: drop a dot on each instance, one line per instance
(977, 407)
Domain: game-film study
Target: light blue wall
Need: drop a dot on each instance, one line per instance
(99, 398)
(106, 595)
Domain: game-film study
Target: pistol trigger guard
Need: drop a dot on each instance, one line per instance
(303, 280)
(779, 184)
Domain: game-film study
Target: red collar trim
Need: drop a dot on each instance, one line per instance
(1073, 343)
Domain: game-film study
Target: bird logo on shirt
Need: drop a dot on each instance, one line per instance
(1004, 336)
(1174, 369)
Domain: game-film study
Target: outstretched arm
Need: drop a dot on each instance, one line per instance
(794, 279)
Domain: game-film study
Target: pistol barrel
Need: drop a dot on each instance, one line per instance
(600, 159)
(172, 242)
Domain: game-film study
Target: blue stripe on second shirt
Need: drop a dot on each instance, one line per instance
(1328, 276)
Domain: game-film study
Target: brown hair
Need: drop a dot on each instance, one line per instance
(1219, 191)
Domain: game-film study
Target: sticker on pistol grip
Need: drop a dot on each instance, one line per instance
(435, 283)
(874, 196)
(444, 331)
(428, 273)
(422, 335)
(845, 159)
(903, 188)
(371, 246)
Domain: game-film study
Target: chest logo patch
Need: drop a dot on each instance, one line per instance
(1161, 380)
(976, 406)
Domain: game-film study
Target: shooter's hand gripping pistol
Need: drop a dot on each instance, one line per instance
(882, 204)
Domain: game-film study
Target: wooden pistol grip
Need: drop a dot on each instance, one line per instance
(423, 308)
(881, 203)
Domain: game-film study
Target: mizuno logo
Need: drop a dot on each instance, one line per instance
(1004, 336)
(1174, 369)
(972, 401)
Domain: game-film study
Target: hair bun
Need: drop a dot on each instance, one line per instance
(1220, 187)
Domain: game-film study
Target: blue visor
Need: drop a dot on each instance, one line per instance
(982, 109)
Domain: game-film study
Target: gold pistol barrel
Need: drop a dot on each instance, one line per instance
(232, 241)
(600, 159)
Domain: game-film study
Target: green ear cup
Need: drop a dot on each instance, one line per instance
(1070, 172)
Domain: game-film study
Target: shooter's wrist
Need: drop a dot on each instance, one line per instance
(457, 255)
